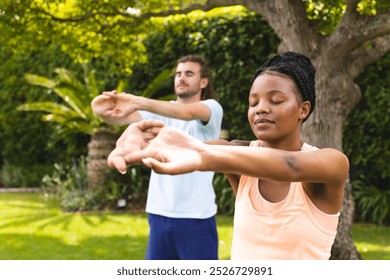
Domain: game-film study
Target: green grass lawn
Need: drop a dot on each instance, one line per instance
(32, 228)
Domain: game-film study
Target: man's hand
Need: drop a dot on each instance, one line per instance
(124, 104)
(103, 104)
(130, 145)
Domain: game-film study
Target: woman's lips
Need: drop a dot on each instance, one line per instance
(263, 121)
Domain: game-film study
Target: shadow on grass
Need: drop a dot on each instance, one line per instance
(43, 218)
(24, 246)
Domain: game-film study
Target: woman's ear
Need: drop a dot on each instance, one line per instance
(304, 110)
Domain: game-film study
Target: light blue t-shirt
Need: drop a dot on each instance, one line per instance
(188, 195)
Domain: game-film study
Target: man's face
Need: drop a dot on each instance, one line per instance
(188, 81)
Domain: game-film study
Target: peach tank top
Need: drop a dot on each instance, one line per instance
(292, 229)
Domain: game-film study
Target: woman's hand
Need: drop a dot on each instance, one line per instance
(173, 152)
(130, 145)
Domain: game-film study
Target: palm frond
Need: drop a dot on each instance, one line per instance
(45, 106)
(66, 77)
(91, 83)
(70, 124)
(69, 89)
(40, 81)
(74, 99)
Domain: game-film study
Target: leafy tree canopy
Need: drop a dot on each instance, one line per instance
(116, 29)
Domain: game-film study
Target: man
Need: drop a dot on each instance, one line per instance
(181, 209)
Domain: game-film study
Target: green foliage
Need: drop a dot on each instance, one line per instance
(23, 139)
(225, 198)
(77, 116)
(22, 176)
(68, 184)
(373, 203)
(367, 145)
(235, 45)
(326, 14)
(11, 176)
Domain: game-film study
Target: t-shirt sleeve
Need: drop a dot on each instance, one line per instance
(216, 113)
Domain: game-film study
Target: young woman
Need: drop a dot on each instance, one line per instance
(288, 193)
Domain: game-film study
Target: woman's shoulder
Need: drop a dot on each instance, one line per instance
(308, 147)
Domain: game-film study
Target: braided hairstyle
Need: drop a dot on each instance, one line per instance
(299, 68)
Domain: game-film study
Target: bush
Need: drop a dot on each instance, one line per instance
(68, 184)
(225, 198)
(367, 145)
(11, 175)
(373, 204)
(15, 176)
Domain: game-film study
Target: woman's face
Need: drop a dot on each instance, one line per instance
(276, 110)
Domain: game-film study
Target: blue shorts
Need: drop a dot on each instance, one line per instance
(182, 239)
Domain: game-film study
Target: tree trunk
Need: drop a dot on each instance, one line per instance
(336, 96)
(100, 146)
(343, 247)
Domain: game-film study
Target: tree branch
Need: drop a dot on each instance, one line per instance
(352, 6)
(355, 29)
(364, 56)
(79, 17)
(288, 18)
(135, 20)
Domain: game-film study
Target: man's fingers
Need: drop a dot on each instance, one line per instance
(117, 113)
(109, 94)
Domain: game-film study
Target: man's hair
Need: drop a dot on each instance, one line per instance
(207, 92)
(299, 68)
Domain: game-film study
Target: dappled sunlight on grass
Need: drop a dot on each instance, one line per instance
(34, 228)
(225, 234)
(373, 242)
(30, 229)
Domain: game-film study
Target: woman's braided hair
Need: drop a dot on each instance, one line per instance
(299, 68)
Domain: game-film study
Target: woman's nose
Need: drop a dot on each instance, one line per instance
(262, 108)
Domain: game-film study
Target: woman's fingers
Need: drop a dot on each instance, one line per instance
(116, 160)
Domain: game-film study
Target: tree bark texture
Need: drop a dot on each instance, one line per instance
(100, 146)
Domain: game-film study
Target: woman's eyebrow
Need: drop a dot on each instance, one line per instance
(270, 92)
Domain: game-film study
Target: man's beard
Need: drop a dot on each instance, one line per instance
(186, 94)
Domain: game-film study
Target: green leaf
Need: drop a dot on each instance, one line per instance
(158, 82)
